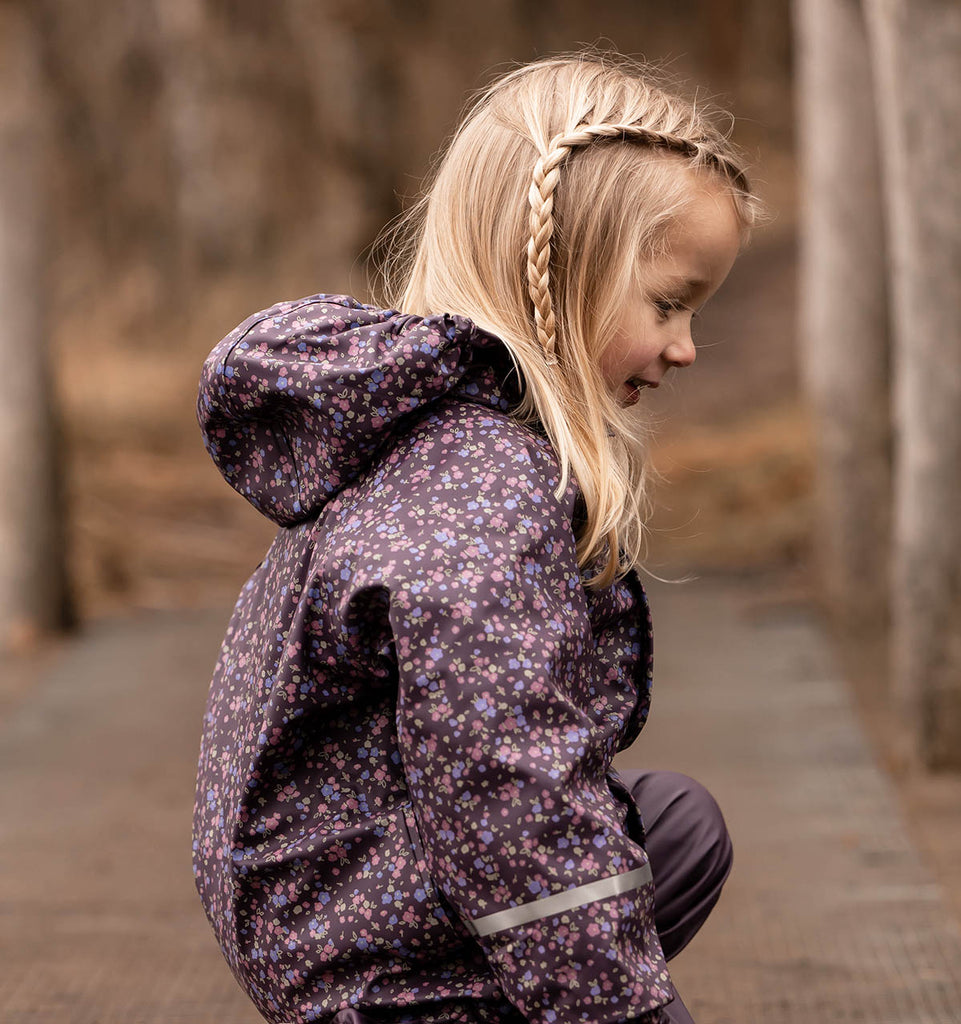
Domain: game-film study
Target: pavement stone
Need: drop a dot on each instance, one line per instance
(829, 913)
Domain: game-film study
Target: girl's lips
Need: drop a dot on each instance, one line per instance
(632, 388)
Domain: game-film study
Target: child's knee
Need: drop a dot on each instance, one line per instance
(708, 828)
(680, 814)
(695, 822)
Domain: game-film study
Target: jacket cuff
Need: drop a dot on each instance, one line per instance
(588, 955)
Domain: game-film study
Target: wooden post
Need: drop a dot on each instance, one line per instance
(917, 57)
(843, 305)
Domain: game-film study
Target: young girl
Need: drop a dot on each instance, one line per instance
(406, 809)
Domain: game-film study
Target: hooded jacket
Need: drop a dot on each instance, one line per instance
(405, 805)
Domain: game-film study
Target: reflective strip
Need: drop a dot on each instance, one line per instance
(549, 906)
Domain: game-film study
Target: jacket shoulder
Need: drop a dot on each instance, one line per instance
(463, 479)
(463, 452)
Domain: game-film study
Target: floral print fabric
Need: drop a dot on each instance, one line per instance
(412, 718)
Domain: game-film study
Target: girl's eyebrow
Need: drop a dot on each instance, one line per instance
(692, 284)
(683, 288)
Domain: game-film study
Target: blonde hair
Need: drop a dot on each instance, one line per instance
(555, 190)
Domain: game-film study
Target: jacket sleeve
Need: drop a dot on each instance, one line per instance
(502, 744)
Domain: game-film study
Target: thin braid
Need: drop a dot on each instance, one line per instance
(541, 196)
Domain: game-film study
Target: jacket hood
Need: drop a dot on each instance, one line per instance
(296, 401)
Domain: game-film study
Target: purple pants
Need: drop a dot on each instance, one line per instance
(690, 853)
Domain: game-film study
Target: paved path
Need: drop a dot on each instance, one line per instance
(829, 915)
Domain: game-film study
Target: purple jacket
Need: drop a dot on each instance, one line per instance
(405, 804)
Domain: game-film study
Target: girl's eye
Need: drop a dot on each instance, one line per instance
(667, 306)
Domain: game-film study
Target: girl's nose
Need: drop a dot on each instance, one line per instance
(681, 351)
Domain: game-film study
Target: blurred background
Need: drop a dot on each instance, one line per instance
(168, 167)
(209, 157)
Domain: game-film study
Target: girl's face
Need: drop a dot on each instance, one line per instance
(654, 328)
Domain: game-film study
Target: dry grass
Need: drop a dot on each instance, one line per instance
(736, 496)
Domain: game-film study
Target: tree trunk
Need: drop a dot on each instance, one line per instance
(225, 139)
(917, 51)
(357, 102)
(33, 592)
(722, 25)
(844, 322)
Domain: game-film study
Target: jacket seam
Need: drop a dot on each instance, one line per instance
(260, 320)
